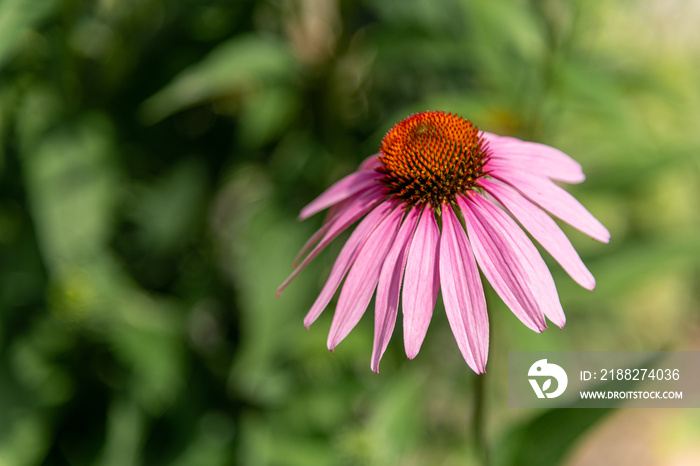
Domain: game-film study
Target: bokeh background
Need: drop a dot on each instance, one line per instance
(154, 155)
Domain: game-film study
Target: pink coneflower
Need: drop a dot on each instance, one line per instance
(433, 205)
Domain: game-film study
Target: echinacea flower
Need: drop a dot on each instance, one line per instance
(433, 208)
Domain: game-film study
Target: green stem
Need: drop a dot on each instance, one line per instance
(478, 422)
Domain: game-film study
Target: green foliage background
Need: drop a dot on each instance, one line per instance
(154, 155)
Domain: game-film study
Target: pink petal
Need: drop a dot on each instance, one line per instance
(389, 287)
(421, 282)
(510, 262)
(512, 153)
(526, 166)
(315, 238)
(463, 293)
(345, 259)
(341, 190)
(371, 163)
(491, 138)
(543, 229)
(555, 200)
(335, 214)
(362, 278)
(354, 211)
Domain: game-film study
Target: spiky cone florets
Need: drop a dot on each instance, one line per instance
(432, 156)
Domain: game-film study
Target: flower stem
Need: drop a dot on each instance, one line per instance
(478, 422)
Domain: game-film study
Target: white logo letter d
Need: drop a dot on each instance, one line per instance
(542, 369)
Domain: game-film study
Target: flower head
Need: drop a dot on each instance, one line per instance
(437, 204)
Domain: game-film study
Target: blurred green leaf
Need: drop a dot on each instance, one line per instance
(637, 261)
(17, 17)
(266, 114)
(27, 443)
(124, 435)
(73, 190)
(545, 440)
(234, 69)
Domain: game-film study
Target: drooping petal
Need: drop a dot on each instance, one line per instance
(354, 211)
(421, 282)
(513, 153)
(389, 287)
(492, 139)
(337, 218)
(346, 258)
(463, 293)
(341, 190)
(501, 249)
(556, 201)
(315, 238)
(527, 165)
(543, 229)
(370, 163)
(363, 277)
